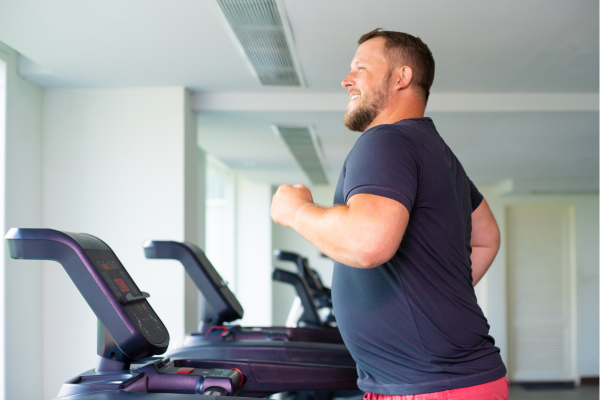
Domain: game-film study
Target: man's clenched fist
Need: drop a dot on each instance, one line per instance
(287, 201)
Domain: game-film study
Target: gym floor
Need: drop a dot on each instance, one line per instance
(583, 392)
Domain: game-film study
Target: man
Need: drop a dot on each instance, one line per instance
(410, 234)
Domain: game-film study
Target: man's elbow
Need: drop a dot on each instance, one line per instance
(365, 260)
(373, 256)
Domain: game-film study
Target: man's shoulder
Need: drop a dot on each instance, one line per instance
(387, 138)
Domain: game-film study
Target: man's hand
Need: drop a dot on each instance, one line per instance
(287, 201)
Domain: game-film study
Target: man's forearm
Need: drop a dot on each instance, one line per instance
(331, 231)
(364, 233)
(325, 228)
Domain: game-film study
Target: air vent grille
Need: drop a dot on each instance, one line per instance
(261, 33)
(306, 150)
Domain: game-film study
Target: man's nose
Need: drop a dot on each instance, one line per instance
(348, 81)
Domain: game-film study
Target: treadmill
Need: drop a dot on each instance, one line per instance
(130, 334)
(320, 293)
(313, 343)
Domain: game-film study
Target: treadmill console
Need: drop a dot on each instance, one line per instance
(128, 294)
(107, 287)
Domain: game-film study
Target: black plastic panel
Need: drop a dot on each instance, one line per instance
(121, 284)
(147, 321)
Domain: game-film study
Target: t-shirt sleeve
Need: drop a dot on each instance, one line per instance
(382, 163)
(476, 196)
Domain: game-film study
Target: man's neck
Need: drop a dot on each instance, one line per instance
(401, 108)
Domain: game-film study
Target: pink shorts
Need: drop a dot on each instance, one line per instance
(496, 390)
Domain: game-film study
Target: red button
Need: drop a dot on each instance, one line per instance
(185, 370)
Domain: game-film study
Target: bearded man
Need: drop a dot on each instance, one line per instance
(410, 235)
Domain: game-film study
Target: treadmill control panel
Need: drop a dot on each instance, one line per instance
(120, 283)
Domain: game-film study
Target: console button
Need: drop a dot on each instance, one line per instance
(185, 370)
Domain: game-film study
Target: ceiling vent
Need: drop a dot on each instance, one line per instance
(261, 29)
(306, 149)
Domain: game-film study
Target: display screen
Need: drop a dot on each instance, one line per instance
(113, 273)
(121, 284)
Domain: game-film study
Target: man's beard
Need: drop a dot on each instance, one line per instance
(369, 108)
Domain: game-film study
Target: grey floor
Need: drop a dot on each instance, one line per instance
(583, 392)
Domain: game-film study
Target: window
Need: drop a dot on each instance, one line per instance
(220, 219)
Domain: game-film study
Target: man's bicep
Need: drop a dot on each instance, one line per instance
(484, 231)
(382, 222)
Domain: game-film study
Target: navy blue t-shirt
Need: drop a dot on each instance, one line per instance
(413, 324)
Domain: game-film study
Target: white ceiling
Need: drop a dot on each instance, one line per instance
(516, 46)
(481, 46)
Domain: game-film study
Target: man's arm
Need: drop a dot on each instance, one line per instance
(365, 233)
(485, 240)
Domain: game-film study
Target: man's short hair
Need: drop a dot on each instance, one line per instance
(404, 49)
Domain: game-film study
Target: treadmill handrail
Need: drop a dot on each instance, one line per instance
(312, 277)
(202, 272)
(68, 249)
(302, 266)
(310, 315)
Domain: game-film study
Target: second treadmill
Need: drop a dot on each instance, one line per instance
(316, 344)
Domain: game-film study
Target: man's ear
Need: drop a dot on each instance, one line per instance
(403, 77)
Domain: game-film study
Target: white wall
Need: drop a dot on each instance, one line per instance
(253, 251)
(22, 191)
(289, 240)
(492, 290)
(115, 166)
